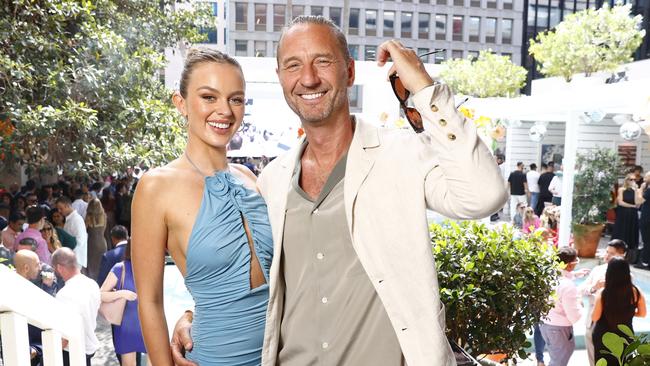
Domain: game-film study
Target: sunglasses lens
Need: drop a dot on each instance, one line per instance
(400, 91)
(415, 119)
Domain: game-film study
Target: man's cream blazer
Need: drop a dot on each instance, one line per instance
(391, 178)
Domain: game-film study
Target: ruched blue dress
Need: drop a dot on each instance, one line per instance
(229, 316)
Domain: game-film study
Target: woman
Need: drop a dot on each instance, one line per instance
(95, 226)
(127, 337)
(617, 303)
(626, 226)
(58, 221)
(209, 217)
(49, 234)
(530, 221)
(108, 203)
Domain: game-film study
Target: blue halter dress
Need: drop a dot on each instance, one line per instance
(229, 317)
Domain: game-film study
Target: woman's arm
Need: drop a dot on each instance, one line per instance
(641, 310)
(598, 308)
(149, 241)
(109, 295)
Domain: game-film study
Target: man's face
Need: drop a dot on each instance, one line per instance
(31, 200)
(63, 208)
(314, 73)
(17, 226)
(612, 252)
(34, 269)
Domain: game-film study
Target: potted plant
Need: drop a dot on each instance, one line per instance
(588, 41)
(495, 286)
(631, 351)
(596, 173)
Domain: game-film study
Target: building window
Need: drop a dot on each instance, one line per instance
(353, 26)
(211, 34)
(506, 31)
(456, 54)
(474, 28)
(389, 23)
(370, 53)
(507, 4)
(441, 27)
(260, 17)
(423, 25)
(316, 10)
(354, 51)
(441, 2)
(241, 48)
(422, 51)
(475, 3)
(260, 48)
(457, 29)
(472, 54)
(407, 24)
(371, 22)
(490, 30)
(241, 16)
(459, 2)
(355, 96)
(335, 16)
(297, 10)
(439, 57)
(424, 1)
(508, 55)
(492, 4)
(279, 16)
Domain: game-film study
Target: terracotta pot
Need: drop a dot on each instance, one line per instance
(497, 357)
(586, 239)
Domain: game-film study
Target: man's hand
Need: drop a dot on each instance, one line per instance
(182, 340)
(406, 63)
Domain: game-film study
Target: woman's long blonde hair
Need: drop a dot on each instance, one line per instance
(95, 215)
(529, 216)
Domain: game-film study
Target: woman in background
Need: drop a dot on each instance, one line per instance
(626, 226)
(96, 225)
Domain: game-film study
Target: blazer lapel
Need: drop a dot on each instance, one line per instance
(359, 164)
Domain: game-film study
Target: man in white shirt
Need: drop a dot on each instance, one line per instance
(81, 294)
(557, 327)
(556, 188)
(532, 178)
(596, 281)
(75, 226)
(79, 204)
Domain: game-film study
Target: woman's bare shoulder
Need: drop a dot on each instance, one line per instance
(244, 174)
(166, 178)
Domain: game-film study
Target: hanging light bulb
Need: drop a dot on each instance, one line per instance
(630, 131)
(596, 115)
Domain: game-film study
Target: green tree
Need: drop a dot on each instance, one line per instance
(489, 75)
(81, 82)
(588, 41)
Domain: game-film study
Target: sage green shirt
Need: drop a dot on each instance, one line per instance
(332, 314)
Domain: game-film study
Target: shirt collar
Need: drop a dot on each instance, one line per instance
(123, 242)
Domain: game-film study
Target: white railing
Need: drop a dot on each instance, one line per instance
(21, 303)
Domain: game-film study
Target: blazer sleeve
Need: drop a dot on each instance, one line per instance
(466, 182)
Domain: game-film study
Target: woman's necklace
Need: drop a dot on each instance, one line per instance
(194, 165)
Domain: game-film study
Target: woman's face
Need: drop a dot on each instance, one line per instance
(46, 231)
(57, 217)
(214, 104)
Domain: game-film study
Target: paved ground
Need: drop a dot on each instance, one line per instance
(105, 356)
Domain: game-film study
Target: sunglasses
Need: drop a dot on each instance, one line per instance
(412, 115)
(46, 229)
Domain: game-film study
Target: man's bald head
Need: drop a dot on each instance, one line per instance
(64, 262)
(27, 264)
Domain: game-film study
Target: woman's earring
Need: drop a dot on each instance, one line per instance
(187, 121)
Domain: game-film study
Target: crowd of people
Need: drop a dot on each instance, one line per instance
(71, 239)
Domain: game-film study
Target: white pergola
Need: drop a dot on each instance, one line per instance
(565, 102)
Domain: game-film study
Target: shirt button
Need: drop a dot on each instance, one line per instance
(434, 108)
(324, 345)
(320, 256)
(324, 300)
(442, 122)
(451, 136)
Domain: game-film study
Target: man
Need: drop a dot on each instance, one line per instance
(46, 280)
(35, 221)
(75, 226)
(28, 266)
(532, 179)
(119, 238)
(518, 188)
(544, 181)
(4, 216)
(79, 204)
(81, 294)
(555, 187)
(353, 280)
(15, 227)
(557, 327)
(596, 281)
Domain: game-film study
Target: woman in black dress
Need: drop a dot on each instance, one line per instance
(617, 303)
(626, 226)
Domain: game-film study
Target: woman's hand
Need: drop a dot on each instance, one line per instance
(128, 295)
